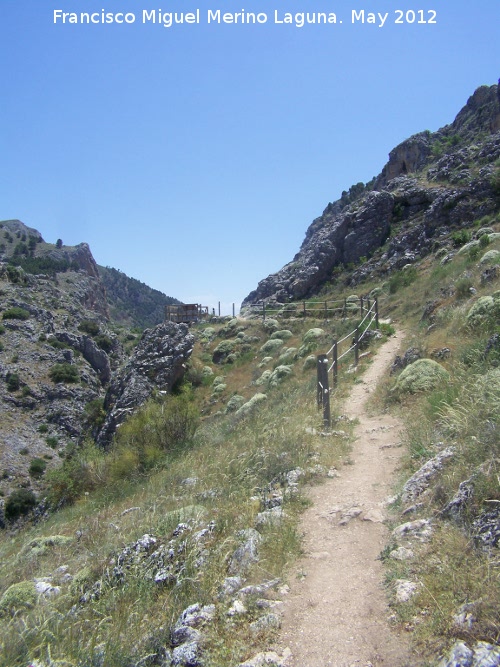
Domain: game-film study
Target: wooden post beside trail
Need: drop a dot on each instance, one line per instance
(263, 311)
(335, 363)
(356, 346)
(219, 308)
(361, 306)
(323, 390)
(376, 312)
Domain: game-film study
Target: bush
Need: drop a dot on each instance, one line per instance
(460, 237)
(95, 413)
(64, 373)
(19, 503)
(15, 313)
(421, 375)
(37, 467)
(402, 278)
(52, 442)
(84, 470)
(18, 597)
(157, 428)
(463, 287)
(104, 342)
(13, 382)
(89, 326)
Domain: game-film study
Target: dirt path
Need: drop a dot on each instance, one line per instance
(336, 612)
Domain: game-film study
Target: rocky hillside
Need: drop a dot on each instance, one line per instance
(61, 355)
(433, 183)
(131, 302)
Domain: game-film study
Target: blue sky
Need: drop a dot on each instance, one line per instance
(195, 157)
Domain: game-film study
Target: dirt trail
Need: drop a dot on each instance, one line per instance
(336, 612)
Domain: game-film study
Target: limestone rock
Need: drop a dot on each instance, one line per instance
(419, 482)
(158, 362)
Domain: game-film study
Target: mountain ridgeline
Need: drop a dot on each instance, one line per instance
(433, 183)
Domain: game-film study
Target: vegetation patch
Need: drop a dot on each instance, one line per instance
(421, 375)
(64, 372)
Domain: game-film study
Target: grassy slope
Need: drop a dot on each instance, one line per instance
(234, 464)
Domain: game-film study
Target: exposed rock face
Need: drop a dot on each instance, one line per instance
(400, 217)
(47, 291)
(158, 362)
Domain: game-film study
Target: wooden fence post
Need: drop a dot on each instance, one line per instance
(323, 392)
(344, 314)
(233, 310)
(219, 308)
(361, 306)
(263, 311)
(335, 363)
(376, 312)
(356, 346)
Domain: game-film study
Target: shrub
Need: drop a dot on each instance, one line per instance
(490, 257)
(19, 503)
(402, 278)
(104, 342)
(37, 467)
(271, 346)
(15, 313)
(83, 470)
(2, 329)
(460, 237)
(222, 351)
(421, 375)
(250, 405)
(484, 240)
(52, 442)
(18, 597)
(95, 413)
(485, 312)
(463, 287)
(64, 373)
(89, 326)
(157, 428)
(13, 382)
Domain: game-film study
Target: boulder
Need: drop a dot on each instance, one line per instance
(158, 362)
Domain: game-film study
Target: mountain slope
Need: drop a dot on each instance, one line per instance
(131, 302)
(433, 183)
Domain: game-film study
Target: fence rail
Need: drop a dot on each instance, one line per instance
(353, 339)
(341, 307)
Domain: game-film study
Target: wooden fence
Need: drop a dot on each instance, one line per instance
(338, 351)
(320, 309)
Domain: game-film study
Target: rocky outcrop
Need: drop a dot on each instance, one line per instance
(96, 357)
(432, 183)
(158, 362)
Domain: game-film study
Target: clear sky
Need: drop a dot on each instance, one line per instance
(195, 157)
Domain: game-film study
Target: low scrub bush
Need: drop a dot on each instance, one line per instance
(401, 279)
(157, 428)
(89, 326)
(37, 467)
(64, 373)
(15, 313)
(19, 503)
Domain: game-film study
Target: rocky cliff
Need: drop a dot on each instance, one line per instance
(61, 355)
(432, 183)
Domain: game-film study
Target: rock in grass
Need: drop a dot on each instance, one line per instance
(247, 552)
(419, 482)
